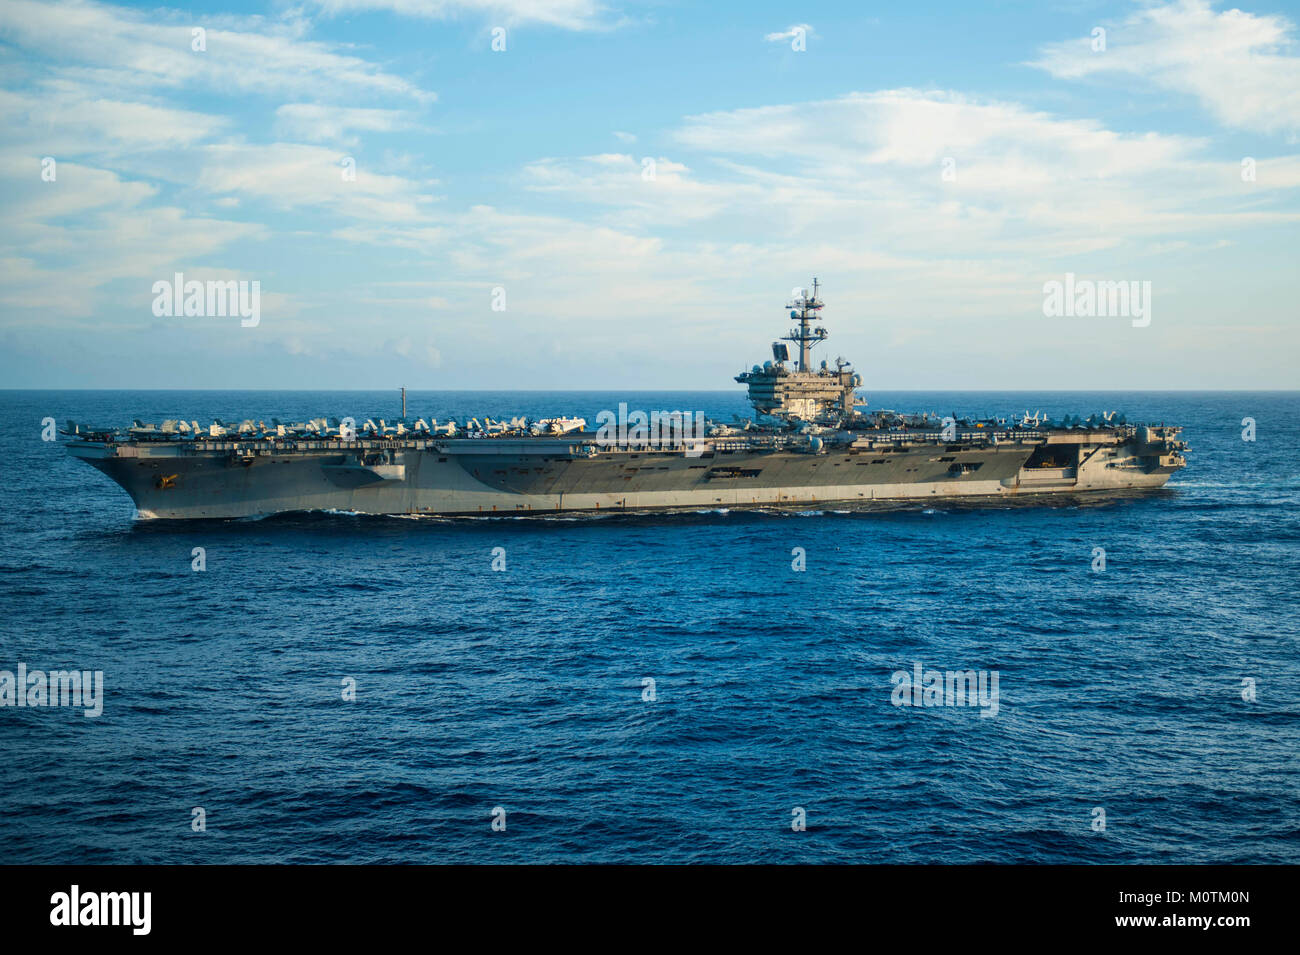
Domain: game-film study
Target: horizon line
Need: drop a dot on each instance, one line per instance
(1036, 391)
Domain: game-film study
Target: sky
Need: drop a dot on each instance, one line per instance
(596, 194)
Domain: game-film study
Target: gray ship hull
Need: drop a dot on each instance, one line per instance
(534, 476)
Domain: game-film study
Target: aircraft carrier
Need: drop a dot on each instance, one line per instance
(810, 443)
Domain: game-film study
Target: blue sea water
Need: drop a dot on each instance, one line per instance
(1120, 689)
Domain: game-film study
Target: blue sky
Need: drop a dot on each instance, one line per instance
(523, 169)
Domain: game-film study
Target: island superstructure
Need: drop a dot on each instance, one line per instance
(809, 443)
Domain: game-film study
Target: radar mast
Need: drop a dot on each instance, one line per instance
(804, 310)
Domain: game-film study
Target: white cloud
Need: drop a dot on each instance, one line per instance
(1024, 179)
(63, 119)
(852, 187)
(616, 180)
(317, 123)
(426, 239)
(568, 14)
(109, 100)
(117, 47)
(117, 236)
(295, 175)
(790, 33)
(1237, 64)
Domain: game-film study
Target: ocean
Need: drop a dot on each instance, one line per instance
(657, 689)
